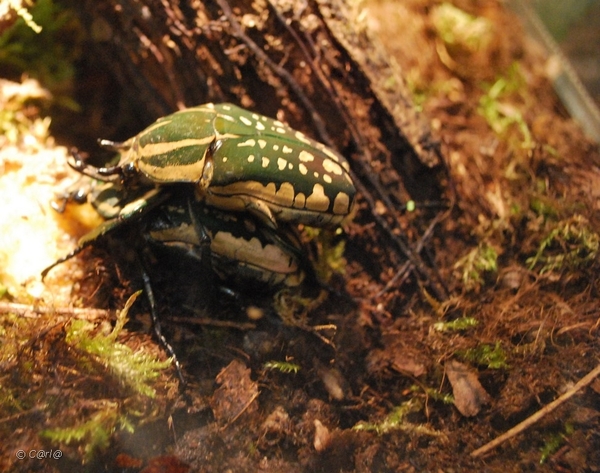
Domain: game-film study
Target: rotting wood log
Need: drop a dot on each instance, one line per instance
(310, 63)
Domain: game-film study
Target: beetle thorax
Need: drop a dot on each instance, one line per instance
(172, 161)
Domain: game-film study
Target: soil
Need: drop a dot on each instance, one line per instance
(371, 396)
(384, 377)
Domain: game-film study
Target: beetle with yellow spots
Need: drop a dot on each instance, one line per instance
(238, 161)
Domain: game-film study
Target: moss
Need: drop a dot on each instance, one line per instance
(479, 260)
(396, 420)
(570, 244)
(553, 442)
(462, 323)
(133, 369)
(487, 355)
(330, 252)
(47, 52)
(73, 383)
(501, 112)
(94, 434)
(434, 394)
(283, 366)
(457, 28)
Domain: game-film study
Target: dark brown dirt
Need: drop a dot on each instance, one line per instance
(388, 364)
(374, 394)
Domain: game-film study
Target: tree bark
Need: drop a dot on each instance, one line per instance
(310, 63)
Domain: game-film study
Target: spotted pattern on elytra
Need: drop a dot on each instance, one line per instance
(244, 161)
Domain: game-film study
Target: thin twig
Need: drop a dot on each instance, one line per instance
(403, 273)
(244, 409)
(414, 258)
(517, 429)
(34, 311)
(213, 322)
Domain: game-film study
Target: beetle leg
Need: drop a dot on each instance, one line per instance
(67, 257)
(156, 322)
(261, 210)
(85, 241)
(208, 170)
(231, 293)
(144, 203)
(288, 237)
(127, 214)
(203, 236)
(240, 203)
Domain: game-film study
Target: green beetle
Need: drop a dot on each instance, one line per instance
(238, 161)
(239, 247)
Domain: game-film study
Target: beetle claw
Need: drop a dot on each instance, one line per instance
(109, 174)
(59, 207)
(112, 145)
